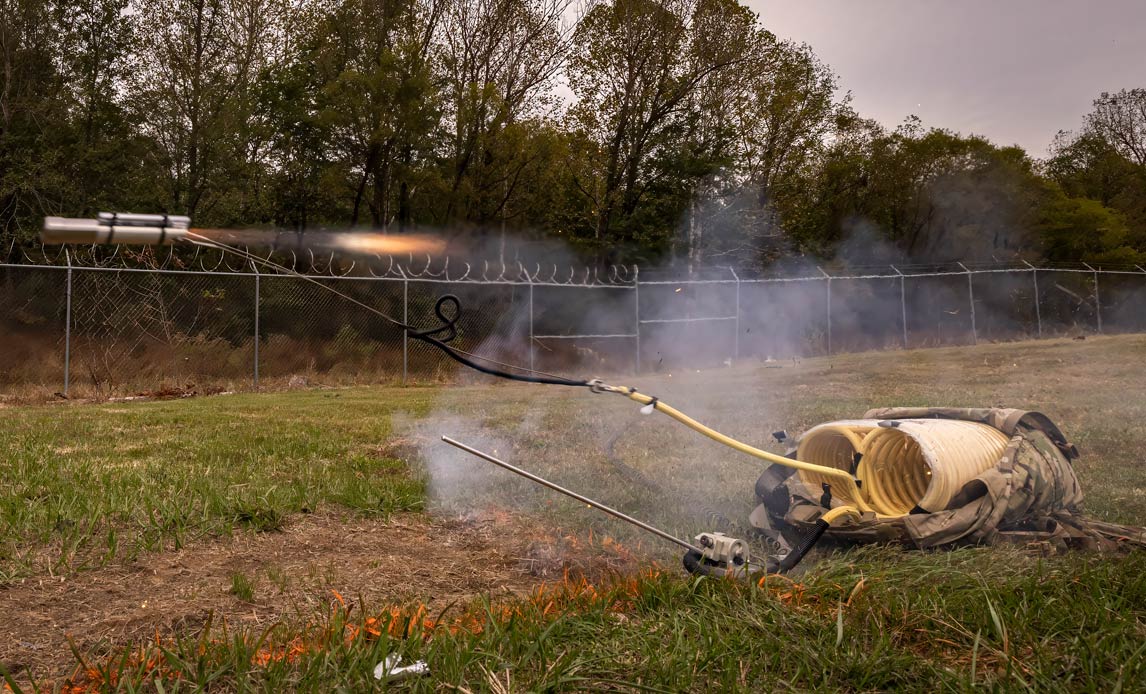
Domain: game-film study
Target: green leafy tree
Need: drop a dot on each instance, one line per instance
(34, 132)
(1074, 229)
(193, 91)
(1104, 161)
(378, 102)
(635, 66)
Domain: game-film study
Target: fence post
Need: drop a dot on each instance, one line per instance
(637, 313)
(829, 279)
(405, 321)
(68, 326)
(1038, 311)
(902, 304)
(971, 298)
(530, 279)
(736, 341)
(258, 293)
(1097, 303)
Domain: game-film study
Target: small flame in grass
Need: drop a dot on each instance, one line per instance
(546, 602)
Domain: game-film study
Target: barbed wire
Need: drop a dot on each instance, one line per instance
(327, 265)
(453, 270)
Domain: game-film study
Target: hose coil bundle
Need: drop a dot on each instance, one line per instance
(903, 466)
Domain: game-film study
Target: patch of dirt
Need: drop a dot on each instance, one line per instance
(372, 562)
(401, 448)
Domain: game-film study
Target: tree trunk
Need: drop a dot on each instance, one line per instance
(404, 214)
(367, 166)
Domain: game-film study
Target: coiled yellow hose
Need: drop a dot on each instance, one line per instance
(833, 445)
(915, 463)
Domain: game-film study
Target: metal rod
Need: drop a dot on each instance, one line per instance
(736, 342)
(1038, 311)
(902, 304)
(583, 499)
(531, 326)
(829, 316)
(688, 320)
(1097, 304)
(971, 300)
(829, 326)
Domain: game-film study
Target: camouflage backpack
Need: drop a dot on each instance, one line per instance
(1031, 495)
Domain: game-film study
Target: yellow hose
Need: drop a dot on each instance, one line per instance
(843, 482)
(915, 463)
(831, 516)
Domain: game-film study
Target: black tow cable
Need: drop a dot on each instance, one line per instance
(448, 330)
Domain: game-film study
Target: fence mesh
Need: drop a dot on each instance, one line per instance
(780, 320)
(147, 330)
(306, 331)
(33, 304)
(160, 330)
(1123, 301)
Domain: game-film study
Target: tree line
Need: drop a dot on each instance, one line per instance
(632, 130)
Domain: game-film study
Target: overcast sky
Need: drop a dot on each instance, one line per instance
(1015, 71)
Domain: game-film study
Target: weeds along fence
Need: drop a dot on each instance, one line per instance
(116, 324)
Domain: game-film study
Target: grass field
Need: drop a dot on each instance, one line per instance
(292, 540)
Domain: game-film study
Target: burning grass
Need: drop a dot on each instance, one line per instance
(98, 490)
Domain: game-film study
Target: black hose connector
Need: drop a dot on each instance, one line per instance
(697, 564)
(692, 563)
(805, 545)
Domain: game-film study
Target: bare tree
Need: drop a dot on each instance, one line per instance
(499, 59)
(1121, 120)
(636, 65)
(198, 63)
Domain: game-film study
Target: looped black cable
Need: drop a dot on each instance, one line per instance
(447, 327)
(461, 359)
(449, 324)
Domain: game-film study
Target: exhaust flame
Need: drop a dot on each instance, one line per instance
(366, 242)
(386, 244)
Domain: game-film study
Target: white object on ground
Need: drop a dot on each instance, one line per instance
(389, 668)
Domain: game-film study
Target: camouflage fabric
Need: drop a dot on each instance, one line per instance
(1032, 494)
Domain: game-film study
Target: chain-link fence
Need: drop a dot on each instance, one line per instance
(118, 330)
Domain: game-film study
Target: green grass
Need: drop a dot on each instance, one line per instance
(85, 485)
(242, 587)
(91, 484)
(868, 620)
